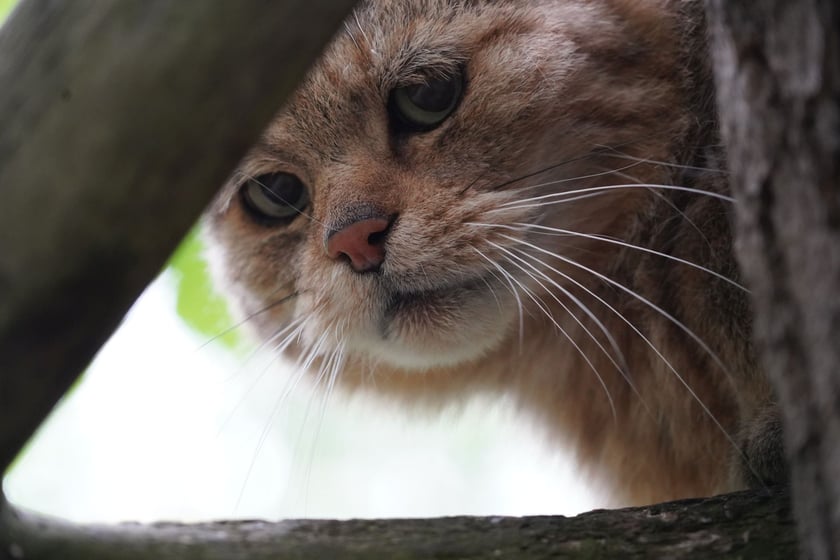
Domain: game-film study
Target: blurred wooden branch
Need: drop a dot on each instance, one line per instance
(120, 120)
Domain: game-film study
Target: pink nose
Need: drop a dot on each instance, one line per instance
(363, 242)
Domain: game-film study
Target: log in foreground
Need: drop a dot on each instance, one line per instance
(119, 122)
(754, 524)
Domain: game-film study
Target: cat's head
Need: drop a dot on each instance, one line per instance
(393, 209)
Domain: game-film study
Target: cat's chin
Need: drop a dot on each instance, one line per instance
(421, 357)
(411, 357)
(438, 329)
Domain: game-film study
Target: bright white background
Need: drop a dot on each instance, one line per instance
(163, 427)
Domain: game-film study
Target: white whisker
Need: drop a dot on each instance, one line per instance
(490, 287)
(332, 368)
(510, 280)
(670, 203)
(633, 294)
(542, 307)
(519, 226)
(547, 199)
(241, 322)
(297, 326)
(262, 346)
(299, 373)
(621, 368)
(622, 155)
(650, 344)
(578, 178)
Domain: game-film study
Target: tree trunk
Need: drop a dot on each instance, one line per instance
(777, 67)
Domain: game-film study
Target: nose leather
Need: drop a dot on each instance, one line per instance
(360, 243)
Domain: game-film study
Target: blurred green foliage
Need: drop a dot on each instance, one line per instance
(5, 7)
(198, 304)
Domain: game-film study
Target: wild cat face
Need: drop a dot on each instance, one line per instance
(403, 205)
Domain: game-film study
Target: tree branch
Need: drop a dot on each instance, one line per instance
(743, 525)
(120, 121)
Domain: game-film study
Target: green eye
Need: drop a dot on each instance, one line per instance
(424, 106)
(275, 197)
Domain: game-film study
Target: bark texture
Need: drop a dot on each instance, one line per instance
(746, 525)
(119, 122)
(777, 68)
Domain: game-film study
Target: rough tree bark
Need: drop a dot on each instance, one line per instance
(777, 68)
(110, 111)
(736, 526)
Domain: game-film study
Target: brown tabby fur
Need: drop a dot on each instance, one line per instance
(616, 92)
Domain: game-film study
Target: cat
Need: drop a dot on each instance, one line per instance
(525, 197)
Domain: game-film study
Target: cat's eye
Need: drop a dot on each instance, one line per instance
(275, 197)
(426, 105)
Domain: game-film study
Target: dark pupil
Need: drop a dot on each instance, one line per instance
(281, 188)
(433, 96)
